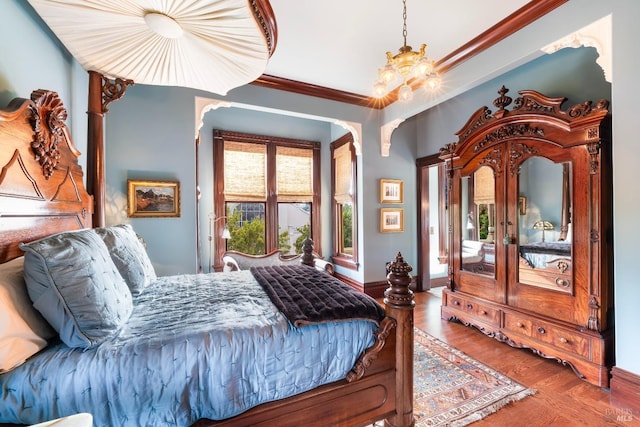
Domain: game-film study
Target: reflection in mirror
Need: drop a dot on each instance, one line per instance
(544, 225)
(478, 222)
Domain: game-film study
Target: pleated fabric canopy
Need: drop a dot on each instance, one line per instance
(213, 45)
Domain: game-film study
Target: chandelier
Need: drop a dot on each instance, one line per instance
(405, 65)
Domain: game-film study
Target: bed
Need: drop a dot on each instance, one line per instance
(546, 264)
(149, 350)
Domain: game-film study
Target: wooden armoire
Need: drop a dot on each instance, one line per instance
(530, 237)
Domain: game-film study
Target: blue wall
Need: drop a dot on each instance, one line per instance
(158, 125)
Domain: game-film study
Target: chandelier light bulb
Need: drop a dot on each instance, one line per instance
(388, 73)
(432, 82)
(379, 89)
(405, 93)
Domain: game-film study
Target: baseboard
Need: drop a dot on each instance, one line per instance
(625, 392)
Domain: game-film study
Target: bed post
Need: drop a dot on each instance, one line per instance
(399, 304)
(101, 93)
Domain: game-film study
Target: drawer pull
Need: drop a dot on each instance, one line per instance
(456, 302)
(469, 306)
(519, 325)
(483, 312)
(541, 330)
(564, 340)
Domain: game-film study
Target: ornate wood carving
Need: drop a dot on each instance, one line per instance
(517, 151)
(112, 90)
(47, 119)
(371, 354)
(577, 291)
(492, 158)
(265, 18)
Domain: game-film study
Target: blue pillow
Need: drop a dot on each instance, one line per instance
(75, 285)
(129, 256)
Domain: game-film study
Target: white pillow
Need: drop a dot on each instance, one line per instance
(23, 331)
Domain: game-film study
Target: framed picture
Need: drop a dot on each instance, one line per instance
(391, 191)
(147, 199)
(391, 220)
(522, 205)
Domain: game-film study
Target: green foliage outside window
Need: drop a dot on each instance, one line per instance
(246, 237)
(249, 236)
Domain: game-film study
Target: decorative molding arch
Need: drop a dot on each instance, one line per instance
(356, 131)
(597, 35)
(385, 136)
(204, 105)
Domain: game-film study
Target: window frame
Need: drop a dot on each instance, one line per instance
(271, 202)
(345, 260)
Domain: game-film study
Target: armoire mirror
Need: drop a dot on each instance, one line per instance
(478, 222)
(544, 236)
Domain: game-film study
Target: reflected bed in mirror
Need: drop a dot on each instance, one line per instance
(544, 230)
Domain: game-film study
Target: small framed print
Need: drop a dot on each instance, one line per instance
(148, 199)
(391, 220)
(391, 191)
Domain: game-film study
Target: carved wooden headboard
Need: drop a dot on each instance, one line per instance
(41, 183)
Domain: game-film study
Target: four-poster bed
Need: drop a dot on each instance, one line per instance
(43, 199)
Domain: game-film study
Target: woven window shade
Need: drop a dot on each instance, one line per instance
(294, 168)
(484, 191)
(342, 159)
(245, 169)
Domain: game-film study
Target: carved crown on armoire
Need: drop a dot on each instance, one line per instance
(530, 192)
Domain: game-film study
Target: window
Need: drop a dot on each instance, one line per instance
(343, 183)
(267, 189)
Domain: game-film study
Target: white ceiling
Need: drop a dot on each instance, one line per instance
(340, 44)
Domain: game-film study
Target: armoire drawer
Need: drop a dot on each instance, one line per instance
(477, 309)
(562, 338)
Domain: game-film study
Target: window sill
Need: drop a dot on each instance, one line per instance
(345, 262)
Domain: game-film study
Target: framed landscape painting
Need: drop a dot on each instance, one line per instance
(147, 199)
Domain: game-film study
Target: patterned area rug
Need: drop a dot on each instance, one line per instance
(452, 389)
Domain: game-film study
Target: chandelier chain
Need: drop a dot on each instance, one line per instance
(404, 21)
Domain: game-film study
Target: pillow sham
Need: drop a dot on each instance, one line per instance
(75, 285)
(129, 256)
(23, 330)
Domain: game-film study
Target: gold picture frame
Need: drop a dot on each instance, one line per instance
(391, 220)
(522, 205)
(391, 191)
(153, 199)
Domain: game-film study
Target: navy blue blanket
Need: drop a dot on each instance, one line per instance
(306, 295)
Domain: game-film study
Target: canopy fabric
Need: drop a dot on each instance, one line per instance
(212, 45)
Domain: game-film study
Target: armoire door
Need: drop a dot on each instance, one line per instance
(546, 242)
(479, 207)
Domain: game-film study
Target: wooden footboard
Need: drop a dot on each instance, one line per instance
(380, 386)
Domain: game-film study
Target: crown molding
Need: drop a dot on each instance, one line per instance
(524, 16)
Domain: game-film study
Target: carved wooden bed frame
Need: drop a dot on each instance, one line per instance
(42, 192)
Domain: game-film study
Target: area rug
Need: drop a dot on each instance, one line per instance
(452, 389)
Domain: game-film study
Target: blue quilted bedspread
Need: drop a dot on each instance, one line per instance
(196, 346)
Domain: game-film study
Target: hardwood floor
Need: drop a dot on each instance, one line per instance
(562, 399)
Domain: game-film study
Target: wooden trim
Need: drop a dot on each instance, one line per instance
(271, 209)
(349, 261)
(302, 88)
(423, 273)
(522, 17)
(625, 391)
(519, 19)
(266, 19)
(351, 282)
